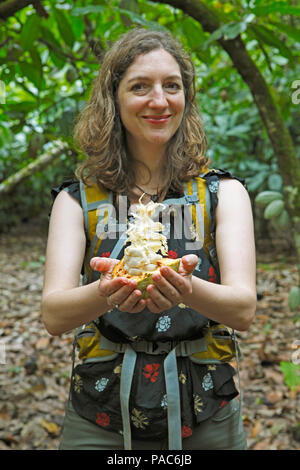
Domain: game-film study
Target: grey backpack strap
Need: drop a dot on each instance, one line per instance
(128, 366)
(173, 401)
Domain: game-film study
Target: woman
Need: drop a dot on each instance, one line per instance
(143, 137)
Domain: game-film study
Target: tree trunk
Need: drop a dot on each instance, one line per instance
(10, 7)
(40, 163)
(281, 141)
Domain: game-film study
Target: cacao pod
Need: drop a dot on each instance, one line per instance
(294, 298)
(145, 278)
(274, 209)
(266, 197)
(282, 221)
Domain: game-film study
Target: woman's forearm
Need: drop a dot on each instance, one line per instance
(64, 310)
(233, 306)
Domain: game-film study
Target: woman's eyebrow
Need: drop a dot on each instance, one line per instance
(146, 77)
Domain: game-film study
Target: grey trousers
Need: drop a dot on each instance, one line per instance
(217, 433)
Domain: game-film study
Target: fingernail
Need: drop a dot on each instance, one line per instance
(93, 264)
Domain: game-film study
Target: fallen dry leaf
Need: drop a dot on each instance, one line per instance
(274, 396)
(42, 343)
(256, 429)
(51, 428)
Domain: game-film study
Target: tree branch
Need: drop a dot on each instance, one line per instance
(41, 162)
(10, 7)
(41, 11)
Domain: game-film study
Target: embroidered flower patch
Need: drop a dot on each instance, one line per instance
(164, 402)
(198, 404)
(78, 384)
(163, 323)
(151, 372)
(223, 403)
(118, 370)
(213, 186)
(182, 378)
(101, 384)
(186, 431)
(102, 419)
(207, 382)
(172, 254)
(138, 419)
(212, 277)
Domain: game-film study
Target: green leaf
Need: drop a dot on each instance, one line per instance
(214, 37)
(290, 31)
(49, 36)
(193, 33)
(238, 131)
(36, 59)
(290, 372)
(275, 182)
(30, 32)
(32, 73)
(131, 5)
(56, 55)
(77, 27)
(64, 26)
(138, 19)
(276, 7)
(79, 11)
(232, 30)
(267, 36)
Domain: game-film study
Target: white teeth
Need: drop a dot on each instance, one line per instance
(146, 241)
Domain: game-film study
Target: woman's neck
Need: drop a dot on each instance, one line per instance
(152, 159)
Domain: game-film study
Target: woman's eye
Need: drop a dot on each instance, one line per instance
(139, 87)
(173, 86)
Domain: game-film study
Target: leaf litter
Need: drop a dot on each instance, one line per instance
(35, 368)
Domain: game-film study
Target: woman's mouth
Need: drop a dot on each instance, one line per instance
(157, 119)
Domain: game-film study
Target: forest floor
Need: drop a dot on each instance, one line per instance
(35, 368)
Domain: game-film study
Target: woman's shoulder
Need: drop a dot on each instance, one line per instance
(71, 186)
(220, 173)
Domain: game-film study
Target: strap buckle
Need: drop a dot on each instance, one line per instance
(191, 198)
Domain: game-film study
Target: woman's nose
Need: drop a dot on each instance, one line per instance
(158, 97)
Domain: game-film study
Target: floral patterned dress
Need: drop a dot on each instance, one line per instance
(204, 389)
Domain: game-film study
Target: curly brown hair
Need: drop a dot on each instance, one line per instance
(99, 131)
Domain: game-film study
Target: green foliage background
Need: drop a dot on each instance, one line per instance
(49, 58)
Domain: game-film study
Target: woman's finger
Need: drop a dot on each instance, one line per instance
(178, 281)
(103, 264)
(159, 299)
(167, 289)
(133, 303)
(108, 287)
(119, 293)
(188, 264)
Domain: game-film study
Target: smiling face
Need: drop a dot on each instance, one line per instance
(151, 100)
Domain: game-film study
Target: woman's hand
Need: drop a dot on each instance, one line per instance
(170, 286)
(120, 292)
